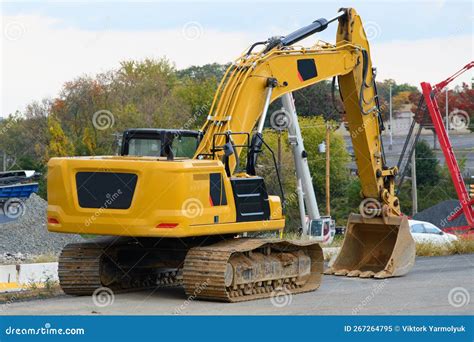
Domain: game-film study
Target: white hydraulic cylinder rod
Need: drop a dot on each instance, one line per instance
(268, 96)
(301, 206)
(301, 162)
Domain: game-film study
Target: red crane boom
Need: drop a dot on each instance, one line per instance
(429, 94)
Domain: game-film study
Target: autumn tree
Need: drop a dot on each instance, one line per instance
(59, 144)
(459, 98)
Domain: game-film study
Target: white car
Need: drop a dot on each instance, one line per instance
(425, 232)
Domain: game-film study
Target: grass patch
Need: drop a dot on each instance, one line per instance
(47, 289)
(294, 236)
(461, 246)
(51, 257)
(9, 298)
(337, 242)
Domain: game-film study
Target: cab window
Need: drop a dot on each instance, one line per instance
(144, 147)
(184, 146)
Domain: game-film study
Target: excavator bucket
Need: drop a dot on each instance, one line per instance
(375, 247)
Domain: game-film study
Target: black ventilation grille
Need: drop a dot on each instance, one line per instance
(106, 190)
(251, 199)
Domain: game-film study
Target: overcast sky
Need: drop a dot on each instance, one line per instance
(45, 44)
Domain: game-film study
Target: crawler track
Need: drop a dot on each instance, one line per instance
(247, 269)
(120, 264)
(79, 268)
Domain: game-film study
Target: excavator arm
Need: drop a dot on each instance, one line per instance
(378, 242)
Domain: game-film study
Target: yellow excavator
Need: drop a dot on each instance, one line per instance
(177, 207)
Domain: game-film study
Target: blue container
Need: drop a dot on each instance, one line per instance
(22, 191)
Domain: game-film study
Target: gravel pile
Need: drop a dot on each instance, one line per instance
(28, 236)
(439, 213)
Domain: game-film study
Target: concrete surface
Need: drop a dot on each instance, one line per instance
(8, 274)
(37, 273)
(426, 290)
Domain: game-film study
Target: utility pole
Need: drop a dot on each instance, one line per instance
(328, 171)
(390, 131)
(414, 195)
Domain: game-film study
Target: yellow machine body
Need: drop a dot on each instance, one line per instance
(171, 199)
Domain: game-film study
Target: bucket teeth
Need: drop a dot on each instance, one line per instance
(341, 272)
(366, 274)
(382, 275)
(354, 273)
(329, 271)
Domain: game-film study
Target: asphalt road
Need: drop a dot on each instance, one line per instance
(426, 290)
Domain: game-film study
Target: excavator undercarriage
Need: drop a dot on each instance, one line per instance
(230, 270)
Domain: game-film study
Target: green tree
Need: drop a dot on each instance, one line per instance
(204, 72)
(198, 95)
(427, 165)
